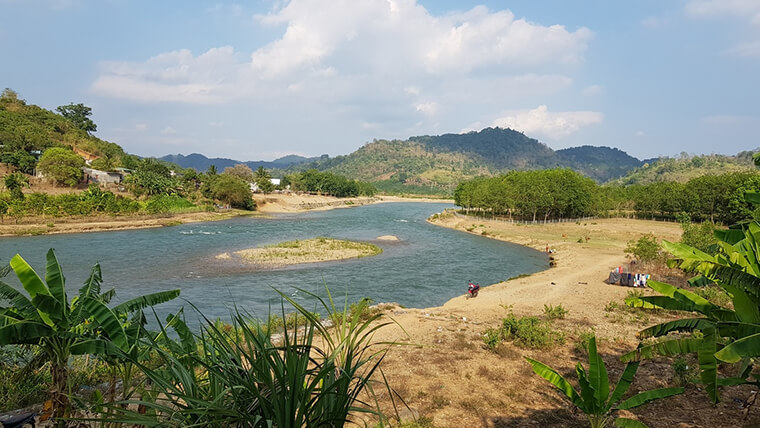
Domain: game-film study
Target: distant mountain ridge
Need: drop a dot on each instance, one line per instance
(441, 162)
(437, 163)
(201, 163)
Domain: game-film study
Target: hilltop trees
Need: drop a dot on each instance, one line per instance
(62, 165)
(79, 115)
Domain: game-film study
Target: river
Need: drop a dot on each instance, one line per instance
(426, 267)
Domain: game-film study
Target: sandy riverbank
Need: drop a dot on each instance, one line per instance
(278, 203)
(267, 204)
(450, 378)
(47, 226)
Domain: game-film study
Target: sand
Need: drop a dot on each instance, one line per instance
(267, 204)
(449, 377)
(304, 251)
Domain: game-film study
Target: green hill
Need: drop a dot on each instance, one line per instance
(685, 167)
(435, 164)
(27, 128)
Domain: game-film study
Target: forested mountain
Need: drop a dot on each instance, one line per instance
(201, 163)
(687, 167)
(438, 163)
(599, 163)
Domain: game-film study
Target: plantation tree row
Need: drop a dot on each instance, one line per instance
(544, 194)
(562, 193)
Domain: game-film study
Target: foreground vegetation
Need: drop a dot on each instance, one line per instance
(234, 374)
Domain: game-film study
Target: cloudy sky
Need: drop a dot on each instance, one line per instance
(265, 78)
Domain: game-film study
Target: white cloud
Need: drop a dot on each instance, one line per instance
(555, 125)
(168, 131)
(427, 108)
(346, 47)
(743, 9)
(640, 134)
(592, 91)
(141, 127)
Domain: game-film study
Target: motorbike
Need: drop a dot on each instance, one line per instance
(472, 290)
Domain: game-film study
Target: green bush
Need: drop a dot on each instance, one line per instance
(700, 236)
(163, 204)
(645, 249)
(492, 338)
(555, 312)
(530, 332)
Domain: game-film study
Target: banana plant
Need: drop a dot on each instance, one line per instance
(597, 399)
(729, 335)
(61, 328)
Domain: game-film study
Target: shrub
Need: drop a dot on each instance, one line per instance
(555, 312)
(492, 338)
(682, 372)
(530, 332)
(645, 249)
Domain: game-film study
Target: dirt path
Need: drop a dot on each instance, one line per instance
(446, 375)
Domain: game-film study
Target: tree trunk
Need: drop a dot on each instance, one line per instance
(59, 392)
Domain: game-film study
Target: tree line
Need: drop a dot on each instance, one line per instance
(562, 193)
(327, 183)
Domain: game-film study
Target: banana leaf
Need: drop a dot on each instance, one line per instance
(665, 348)
(597, 373)
(557, 380)
(91, 287)
(590, 405)
(29, 279)
(21, 332)
(745, 307)
(107, 320)
(626, 379)
(56, 285)
(729, 236)
(146, 301)
(737, 330)
(699, 281)
(745, 347)
(686, 324)
(708, 365)
(629, 423)
(18, 301)
(647, 396)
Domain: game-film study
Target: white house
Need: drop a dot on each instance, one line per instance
(255, 187)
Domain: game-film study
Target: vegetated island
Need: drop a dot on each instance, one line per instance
(305, 251)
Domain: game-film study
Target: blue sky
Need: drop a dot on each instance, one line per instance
(264, 78)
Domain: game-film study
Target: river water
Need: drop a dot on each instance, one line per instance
(427, 267)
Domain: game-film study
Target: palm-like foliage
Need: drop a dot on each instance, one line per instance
(240, 376)
(730, 335)
(61, 328)
(597, 399)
